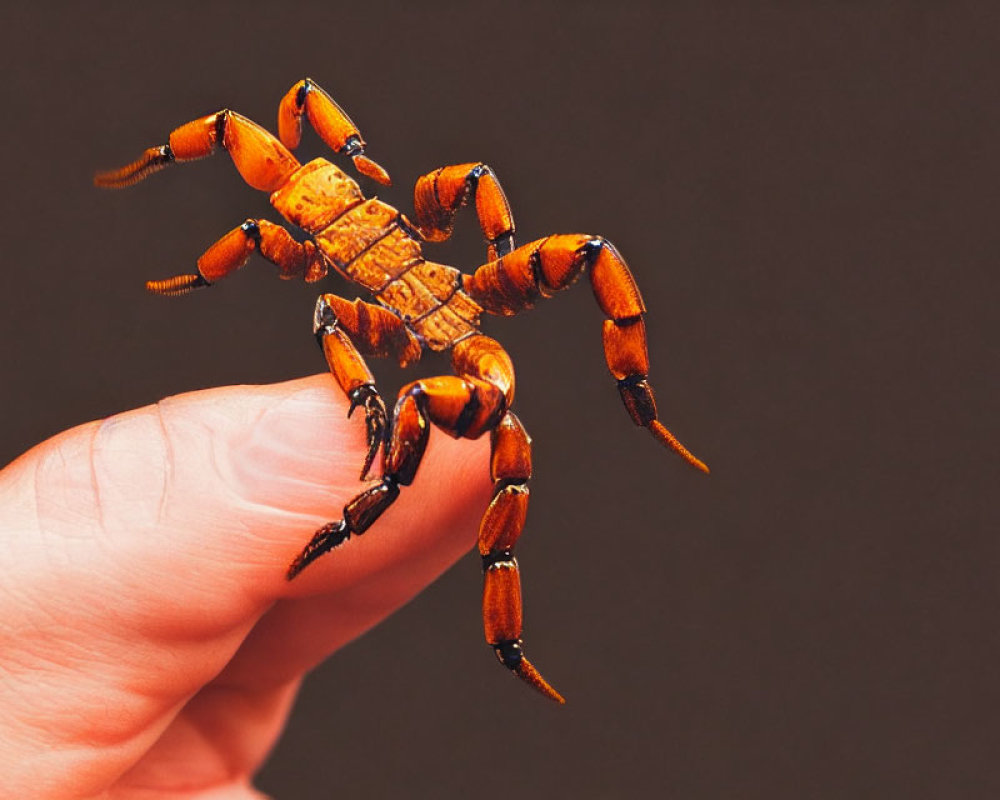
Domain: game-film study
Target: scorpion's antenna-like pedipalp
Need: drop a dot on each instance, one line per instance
(152, 160)
(307, 98)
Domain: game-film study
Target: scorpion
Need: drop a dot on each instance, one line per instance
(419, 304)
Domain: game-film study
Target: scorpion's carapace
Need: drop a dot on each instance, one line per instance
(419, 304)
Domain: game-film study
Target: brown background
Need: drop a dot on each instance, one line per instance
(808, 194)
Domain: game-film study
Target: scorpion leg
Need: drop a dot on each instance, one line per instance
(261, 159)
(329, 121)
(467, 406)
(459, 406)
(344, 329)
(438, 195)
(540, 269)
(232, 251)
(510, 468)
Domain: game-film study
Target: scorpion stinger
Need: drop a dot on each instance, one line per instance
(419, 304)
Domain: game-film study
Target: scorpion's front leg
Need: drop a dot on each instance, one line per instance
(438, 195)
(328, 120)
(230, 253)
(260, 158)
(338, 324)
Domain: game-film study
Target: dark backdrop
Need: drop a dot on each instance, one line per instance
(808, 194)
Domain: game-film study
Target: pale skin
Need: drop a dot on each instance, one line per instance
(150, 645)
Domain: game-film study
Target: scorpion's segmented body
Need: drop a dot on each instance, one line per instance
(371, 243)
(420, 304)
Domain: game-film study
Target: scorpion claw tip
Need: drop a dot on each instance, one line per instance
(370, 169)
(324, 540)
(366, 469)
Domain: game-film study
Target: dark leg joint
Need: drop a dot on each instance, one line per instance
(353, 147)
(499, 557)
(300, 95)
(637, 395)
(502, 245)
(510, 653)
(468, 414)
(476, 173)
(324, 319)
(220, 128)
(361, 396)
(503, 483)
(591, 248)
(252, 229)
(363, 510)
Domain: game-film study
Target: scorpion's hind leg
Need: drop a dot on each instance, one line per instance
(438, 195)
(469, 405)
(328, 120)
(510, 468)
(261, 159)
(482, 358)
(544, 267)
(231, 252)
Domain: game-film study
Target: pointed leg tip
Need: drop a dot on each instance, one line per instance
(366, 468)
(309, 554)
(554, 695)
(372, 170)
(666, 438)
(302, 560)
(526, 671)
(152, 160)
(177, 285)
(324, 540)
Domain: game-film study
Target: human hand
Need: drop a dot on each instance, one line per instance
(150, 646)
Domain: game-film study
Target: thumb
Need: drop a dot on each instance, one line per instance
(208, 496)
(140, 551)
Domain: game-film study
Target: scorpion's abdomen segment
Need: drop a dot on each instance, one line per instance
(458, 318)
(356, 231)
(385, 260)
(315, 195)
(366, 243)
(428, 297)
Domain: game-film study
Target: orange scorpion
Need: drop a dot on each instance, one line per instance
(419, 304)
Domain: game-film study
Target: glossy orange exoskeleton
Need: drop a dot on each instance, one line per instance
(419, 304)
